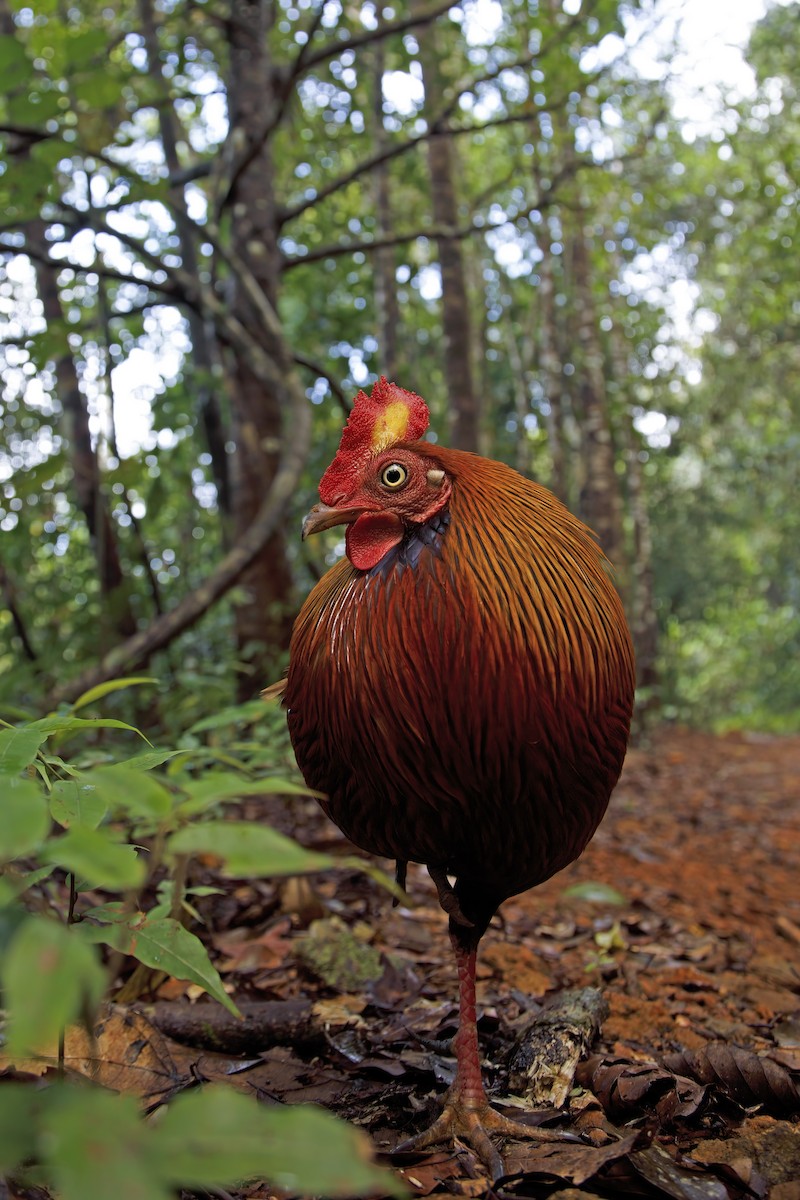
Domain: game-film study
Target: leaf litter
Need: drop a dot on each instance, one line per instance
(683, 917)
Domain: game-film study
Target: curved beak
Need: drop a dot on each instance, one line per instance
(322, 516)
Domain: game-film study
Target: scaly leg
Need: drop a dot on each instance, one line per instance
(467, 1113)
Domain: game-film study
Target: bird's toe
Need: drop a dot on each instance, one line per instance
(474, 1125)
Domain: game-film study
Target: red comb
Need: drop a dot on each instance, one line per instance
(388, 417)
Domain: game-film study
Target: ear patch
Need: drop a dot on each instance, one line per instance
(386, 418)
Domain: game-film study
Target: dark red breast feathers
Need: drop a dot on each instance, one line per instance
(460, 687)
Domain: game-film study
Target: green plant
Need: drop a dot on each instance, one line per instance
(125, 826)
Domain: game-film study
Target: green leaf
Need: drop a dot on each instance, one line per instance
(73, 802)
(130, 792)
(15, 66)
(112, 685)
(23, 818)
(82, 47)
(165, 945)
(99, 90)
(33, 108)
(222, 785)
(19, 747)
(17, 1129)
(50, 977)
(50, 725)
(594, 892)
(97, 1146)
(248, 850)
(92, 855)
(217, 1137)
(152, 758)
(250, 712)
(13, 885)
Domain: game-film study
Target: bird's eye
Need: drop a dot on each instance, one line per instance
(393, 476)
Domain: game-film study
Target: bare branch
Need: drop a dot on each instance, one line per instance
(200, 296)
(478, 225)
(436, 127)
(422, 16)
(311, 364)
(300, 62)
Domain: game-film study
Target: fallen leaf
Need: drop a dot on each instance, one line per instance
(745, 1077)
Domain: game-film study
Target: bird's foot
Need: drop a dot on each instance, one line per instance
(473, 1123)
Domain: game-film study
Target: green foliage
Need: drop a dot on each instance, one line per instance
(549, 140)
(725, 513)
(93, 1144)
(73, 827)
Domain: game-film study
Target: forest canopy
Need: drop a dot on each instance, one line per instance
(219, 222)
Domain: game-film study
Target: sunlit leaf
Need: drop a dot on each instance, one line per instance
(111, 685)
(51, 725)
(594, 892)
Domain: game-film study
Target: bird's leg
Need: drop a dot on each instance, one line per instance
(400, 870)
(467, 1113)
(448, 898)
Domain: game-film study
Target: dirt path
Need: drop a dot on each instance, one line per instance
(685, 911)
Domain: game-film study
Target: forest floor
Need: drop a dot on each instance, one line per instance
(684, 911)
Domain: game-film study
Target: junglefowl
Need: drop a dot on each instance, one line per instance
(460, 687)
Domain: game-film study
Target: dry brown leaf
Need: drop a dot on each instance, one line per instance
(745, 1077)
(568, 1163)
(624, 1087)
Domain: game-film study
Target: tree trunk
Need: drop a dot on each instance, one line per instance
(456, 323)
(264, 615)
(601, 501)
(204, 350)
(89, 494)
(642, 601)
(644, 623)
(552, 373)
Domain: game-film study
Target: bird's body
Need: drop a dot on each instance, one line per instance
(460, 686)
(465, 703)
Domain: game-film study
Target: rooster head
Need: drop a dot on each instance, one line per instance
(380, 483)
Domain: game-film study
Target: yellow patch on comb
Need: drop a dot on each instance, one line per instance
(390, 426)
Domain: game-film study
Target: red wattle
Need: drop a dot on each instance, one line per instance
(370, 537)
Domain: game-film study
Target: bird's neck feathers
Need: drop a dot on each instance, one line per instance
(409, 550)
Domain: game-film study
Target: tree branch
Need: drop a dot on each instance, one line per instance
(284, 79)
(312, 365)
(422, 16)
(435, 128)
(544, 200)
